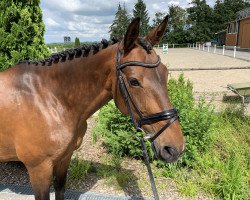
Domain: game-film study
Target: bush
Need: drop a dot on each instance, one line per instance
(118, 132)
(196, 120)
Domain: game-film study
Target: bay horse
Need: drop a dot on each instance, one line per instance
(44, 105)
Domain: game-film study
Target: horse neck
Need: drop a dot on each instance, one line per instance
(84, 84)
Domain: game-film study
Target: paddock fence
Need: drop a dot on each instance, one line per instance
(231, 51)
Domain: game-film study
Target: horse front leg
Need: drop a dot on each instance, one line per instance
(40, 177)
(60, 175)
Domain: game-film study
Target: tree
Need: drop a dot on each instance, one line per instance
(21, 32)
(121, 22)
(177, 19)
(177, 31)
(77, 42)
(200, 20)
(140, 10)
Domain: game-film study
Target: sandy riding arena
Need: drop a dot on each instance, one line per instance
(208, 81)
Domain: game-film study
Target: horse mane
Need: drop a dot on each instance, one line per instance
(83, 51)
(70, 54)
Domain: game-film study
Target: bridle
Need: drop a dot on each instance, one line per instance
(170, 115)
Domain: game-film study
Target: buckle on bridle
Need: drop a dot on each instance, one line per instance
(147, 136)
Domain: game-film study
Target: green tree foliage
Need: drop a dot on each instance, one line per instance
(77, 42)
(177, 27)
(177, 18)
(200, 17)
(140, 10)
(21, 32)
(120, 24)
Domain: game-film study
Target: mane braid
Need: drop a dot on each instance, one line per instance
(70, 54)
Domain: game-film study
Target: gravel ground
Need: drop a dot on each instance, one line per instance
(209, 82)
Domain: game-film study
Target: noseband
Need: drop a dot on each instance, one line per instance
(170, 115)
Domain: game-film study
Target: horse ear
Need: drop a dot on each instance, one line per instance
(155, 35)
(131, 34)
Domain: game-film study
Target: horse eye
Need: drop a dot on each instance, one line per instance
(134, 82)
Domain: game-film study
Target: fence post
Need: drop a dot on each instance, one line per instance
(203, 47)
(234, 51)
(223, 50)
(199, 47)
(208, 48)
(173, 45)
(215, 48)
(193, 45)
(196, 45)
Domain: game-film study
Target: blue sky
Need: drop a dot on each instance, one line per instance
(90, 20)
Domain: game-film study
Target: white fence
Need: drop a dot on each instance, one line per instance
(222, 50)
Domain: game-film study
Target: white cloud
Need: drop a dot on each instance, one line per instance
(50, 22)
(175, 3)
(90, 20)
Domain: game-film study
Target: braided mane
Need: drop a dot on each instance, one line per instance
(70, 54)
(83, 51)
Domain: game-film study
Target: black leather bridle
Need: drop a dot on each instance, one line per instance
(170, 115)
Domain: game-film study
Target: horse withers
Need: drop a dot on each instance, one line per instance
(44, 105)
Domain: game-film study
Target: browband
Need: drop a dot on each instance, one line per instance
(135, 63)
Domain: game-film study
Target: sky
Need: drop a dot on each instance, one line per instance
(90, 20)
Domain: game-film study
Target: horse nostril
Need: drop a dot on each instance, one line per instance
(169, 150)
(169, 154)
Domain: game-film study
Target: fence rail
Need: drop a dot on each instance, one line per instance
(223, 50)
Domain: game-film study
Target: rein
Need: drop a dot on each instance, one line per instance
(170, 115)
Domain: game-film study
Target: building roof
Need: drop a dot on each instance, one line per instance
(243, 14)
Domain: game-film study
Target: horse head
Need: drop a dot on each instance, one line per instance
(140, 90)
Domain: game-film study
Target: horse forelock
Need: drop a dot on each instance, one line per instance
(145, 44)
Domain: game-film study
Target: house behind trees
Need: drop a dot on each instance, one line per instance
(238, 31)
